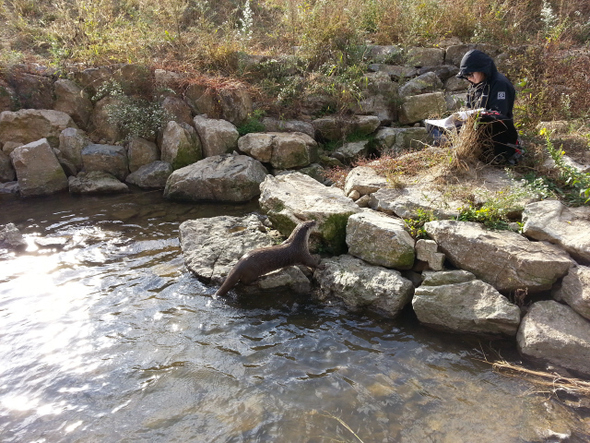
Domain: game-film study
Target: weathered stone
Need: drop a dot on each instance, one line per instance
(96, 182)
(107, 158)
(472, 306)
(443, 72)
(181, 145)
(217, 136)
(73, 100)
(33, 91)
(317, 172)
(505, 259)
(141, 152)
(418, 107)
(365, 180)
(92, 79)
(230, 178)
(276, 125)
(11, 237)
(550, 220)
(9, 188)
(38, 170)
(401, 139)
(554, 333)
(454, 84)
(290, 279)
(395, 72)
(177, 109)
(29, 125)
(8, 98)
(281, 150)
(7, 173)
(71, 143)
(101, 127)
(419, 56)
(236, 105)
(337, 128)
(363, 286)
(411, 201)
(380, 240)
(575, 290)
(151, 176)
(384, 53)
(10, 146)
(422, 84)
(291, 197)
(134, 79)
(351, 151)
(203, 100)
(212, 246)
(427, 251)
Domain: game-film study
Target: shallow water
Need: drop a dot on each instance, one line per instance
(106, 337)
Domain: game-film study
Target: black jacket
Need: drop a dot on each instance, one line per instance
(495, 92)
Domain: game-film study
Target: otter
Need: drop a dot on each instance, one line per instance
(294, 250)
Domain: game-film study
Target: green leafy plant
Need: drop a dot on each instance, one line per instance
(416, 224)
(253, 123)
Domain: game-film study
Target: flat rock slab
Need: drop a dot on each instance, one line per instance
(506, 260)
(554, 333)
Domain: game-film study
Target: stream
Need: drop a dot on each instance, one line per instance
(106, 337)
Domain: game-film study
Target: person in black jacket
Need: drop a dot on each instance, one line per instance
(489, 89)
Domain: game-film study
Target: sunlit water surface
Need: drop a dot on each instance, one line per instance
(106, 337)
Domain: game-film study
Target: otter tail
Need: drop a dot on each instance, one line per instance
(230, 281)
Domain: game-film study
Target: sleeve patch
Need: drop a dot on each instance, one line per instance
(501, 95)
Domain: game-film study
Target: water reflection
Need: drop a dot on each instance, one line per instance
(106, 337)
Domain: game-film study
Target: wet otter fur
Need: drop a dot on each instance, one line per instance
(294, 250)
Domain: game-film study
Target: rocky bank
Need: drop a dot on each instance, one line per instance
(464, 278)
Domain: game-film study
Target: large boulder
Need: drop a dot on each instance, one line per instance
(504, 259)
(38, 170)
(420, 56)
(71, 143)
(418, 107)
(96, 182)
(575, 290)
(276, 125)
(101, 126)
(177, 109)
(141, 152)
(363, 286)
(380, 240)
(217, 136)
(338, 128)
(73, 100)
(428, 82)
(229, 178)
(401, 139)
(33, 91)
(236, 104)
(181, 145)
(555, 333)
(411, 201)
(283, 150)
(107, 158)
(458, 302)
(289, 198)
(151, 176)
(550, 220)
(364, 180)
(29, 125)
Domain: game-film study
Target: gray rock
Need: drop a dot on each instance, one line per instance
(420, 56)
(8, 98)
(395, 72)
(217, 136)
(141, 152)
(427, 251)
(380, 240)
(9, 188)
(11, 237)
(363, 286)
(101, 127)
(71, 143)
(107, 158)
(10, 146)
(418, 107)
(550, 220)
(282, 150)
(337, 128)
(73, 100)
(351, 151)
(504, 259)
(177, 109)
(181, 145)
(229, 178)
(276, 125)
(463, 304)
(411, 201)
(575, 290)
(96, 182)
(554, 333)
(401, 139)
(428, 82)
(289, 198)
(236, 105)
(365, 180)
(7, 172)
(212, 246)
(290, 279)
(203, 100)
(29, 125)
(151, 176)
(38, 170)
(33, 91)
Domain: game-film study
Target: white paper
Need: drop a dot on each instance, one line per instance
(452, 120)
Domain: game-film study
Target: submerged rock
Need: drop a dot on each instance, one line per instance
(11, 237)
(96, 182)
